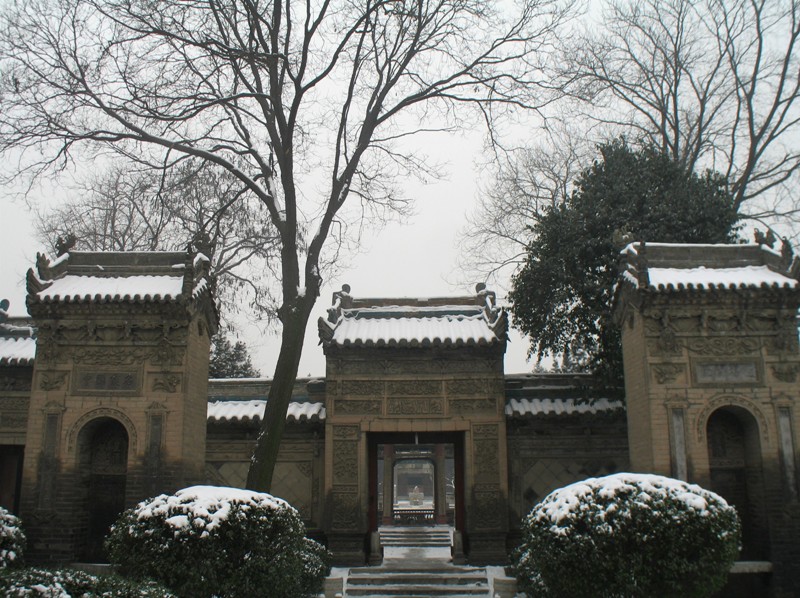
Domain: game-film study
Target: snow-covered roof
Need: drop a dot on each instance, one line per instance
(534, 407)
(113, 288)
(253, 411)
(17, 339)
(110, 277)
(407, 322)
(17, 351)
(678, 267)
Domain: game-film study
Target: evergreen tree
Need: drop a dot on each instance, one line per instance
(230, 360)
(563, 293)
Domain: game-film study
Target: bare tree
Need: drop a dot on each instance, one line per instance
(712, 83)
(526, 181)
(195, 203)
(305, 103)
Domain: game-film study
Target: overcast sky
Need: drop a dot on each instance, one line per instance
(417, 259)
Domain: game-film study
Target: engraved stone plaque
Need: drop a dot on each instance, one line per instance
(93, 381)
(744, 372)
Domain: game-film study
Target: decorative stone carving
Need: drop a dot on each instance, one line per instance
(94, 381)
(472, 406)
(665, 373)
(414, 407)
(358, 406)
(785, 341)
(346, 432)
(345, 511)
(414, 387)
(785, 372)
(108, 356)
(103, 412)
(723, 346)
(52, 380)
(466, 387)
(13, 420)
(485, 431)
(15, 383)
(166, 382)
(488, 507)
(486, 460)
(305, 468)
(362, 387)
(166, 354)
(726, 373)
(14, 403)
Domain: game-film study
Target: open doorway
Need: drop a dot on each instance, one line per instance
(416, 479)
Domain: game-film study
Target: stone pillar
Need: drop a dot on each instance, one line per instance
(440, 492)
(388, 484)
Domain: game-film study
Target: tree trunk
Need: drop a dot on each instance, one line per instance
(265, 456)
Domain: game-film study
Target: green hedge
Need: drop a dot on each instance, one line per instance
(210, 541)
(12, 541)
(628, 535)
(69, 583)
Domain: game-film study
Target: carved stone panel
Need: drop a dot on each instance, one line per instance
(93, 381)
(345, 462)
(723, 346)
(472, 406)
(785, 372)
(358, 406)
(467, 387)
(52, 380)
(415, 407)
(108, 356)
(665, 373)
(488, 507)
(166, 382)
(346, 511)
(362, 387)
(726, 373)
(414, 387)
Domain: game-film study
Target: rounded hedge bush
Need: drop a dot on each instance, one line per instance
(628, 535)
(213, 541)
(12, 540)
(70, 583)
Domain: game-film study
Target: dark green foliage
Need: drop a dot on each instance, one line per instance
(229, 360)
(563, 293)
(12, 541)
(65, 583)
(222, 542)
(628, 536)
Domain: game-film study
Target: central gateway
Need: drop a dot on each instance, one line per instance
(415, 428)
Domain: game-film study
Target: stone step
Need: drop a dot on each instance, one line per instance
(400, 580)
(416, 590)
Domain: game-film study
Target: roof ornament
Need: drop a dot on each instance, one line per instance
(65, 244)
(767, 238)
(4, 304)
(341, 300)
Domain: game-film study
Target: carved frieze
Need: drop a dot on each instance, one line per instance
(467, 387)
(14, 403)
(167, 354)
(723, 345)
(414, 387)
(722, 401)
(415, 407)
(485, 431)
(15, 383)
(52, 380)
(785, 341)
(472, 406)
(110, 356)
(664, 373)
(362, 387)
(13, 420)
(358, 406)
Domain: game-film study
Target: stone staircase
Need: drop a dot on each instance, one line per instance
(416, 581)
(417, 563)
(439, 535)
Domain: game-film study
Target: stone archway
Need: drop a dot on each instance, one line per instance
(103, 460)
(736, 473)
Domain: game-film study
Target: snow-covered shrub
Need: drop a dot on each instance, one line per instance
(210, 541)
(70, 583)
(12, 540)
(628, 535)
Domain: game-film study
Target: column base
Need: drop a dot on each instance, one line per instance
(347, 549)
(487, 549)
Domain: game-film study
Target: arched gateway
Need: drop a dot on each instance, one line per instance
(420, 382)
